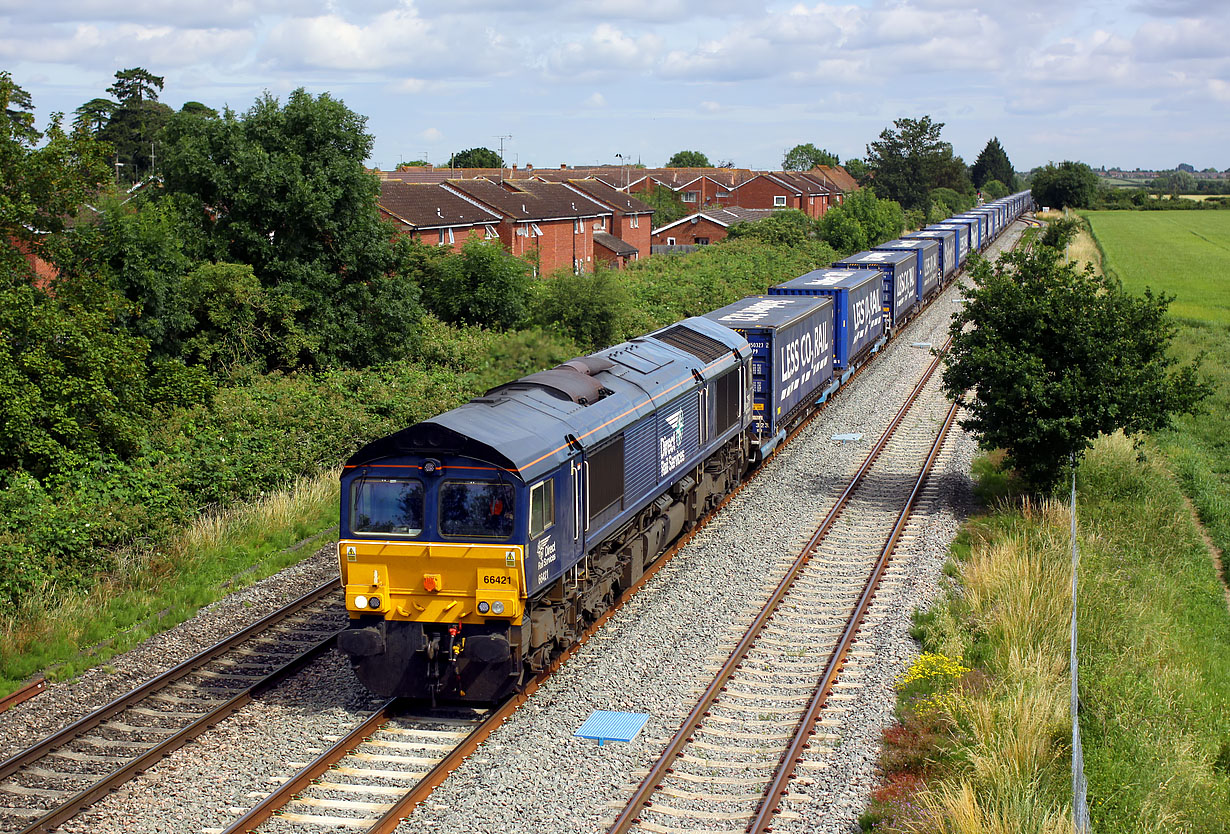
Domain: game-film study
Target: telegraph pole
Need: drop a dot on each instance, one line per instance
(502, 138)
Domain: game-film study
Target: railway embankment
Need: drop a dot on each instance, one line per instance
(983, 740)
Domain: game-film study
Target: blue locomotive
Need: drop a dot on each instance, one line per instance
(476, 546)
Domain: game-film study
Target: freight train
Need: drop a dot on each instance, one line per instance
(476, 546)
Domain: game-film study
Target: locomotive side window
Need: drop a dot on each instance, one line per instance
(606, 479)
(726, 401)
(542, 506)
(388, 506)
(476, 508)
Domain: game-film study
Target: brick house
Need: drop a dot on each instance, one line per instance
(784, 190)
(546, 222)
(705, 227)
(631, 221)
(433, 214)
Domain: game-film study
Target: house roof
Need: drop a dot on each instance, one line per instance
(611, 197)
(530, 199)
(840, 177)
(724, 217)
(609, 241)
(430, 206)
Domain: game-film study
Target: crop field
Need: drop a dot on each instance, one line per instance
(1183, 253)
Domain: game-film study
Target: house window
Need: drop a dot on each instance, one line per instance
(446, 237)
(670, 241)
(537, 231)
(578, 266)
(576, 226)
(489, 233)
(701, 241)
(779, 199)
(690, 196)
(634, 221)
(722, 195)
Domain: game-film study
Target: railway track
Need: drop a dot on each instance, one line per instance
(51, 781)
(730, 763)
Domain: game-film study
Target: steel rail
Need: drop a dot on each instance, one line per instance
(763, 818)
(119, 776)
(27, 691)
(129, 699)
(658, 772)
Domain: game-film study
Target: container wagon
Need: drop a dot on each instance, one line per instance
(900, 273)
(927, 268)
(858, 313)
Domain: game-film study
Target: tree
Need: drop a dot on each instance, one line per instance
(417, 163)
(806, 157)
(94, 115)
(476, 158)
(132, 86)
(994, 190)
(910, 160)
(788, 227)
(858, 169)
(861, 221)
(196, 108)
(482, 285)
(1175, 182)
(18, 109)
(688, 159)
(667, 207)
(1057, 356)
(1068, 184)
(588, 307)
(135, 120)
(283, 188)
(992, 164)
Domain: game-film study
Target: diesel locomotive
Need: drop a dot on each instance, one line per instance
(476, 546)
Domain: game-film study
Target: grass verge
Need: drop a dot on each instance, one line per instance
(984, 746)
(154, 590)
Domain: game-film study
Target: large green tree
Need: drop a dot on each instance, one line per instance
(482, 285)
(1047, 356)
(667, 207)
(135, 122)
(688, 159)
(992, 164)
(283, 188)
(808, 156)
(910, 159)
(476, 158)
(1068, 184)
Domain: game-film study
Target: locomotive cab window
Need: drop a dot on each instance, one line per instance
(483, 509)
(542, 506)
(387, 506)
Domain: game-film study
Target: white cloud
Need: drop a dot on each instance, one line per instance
(431, 134)
(710, 106)
(596, 100)
(606, 48)
(330, 41)
(409, 86)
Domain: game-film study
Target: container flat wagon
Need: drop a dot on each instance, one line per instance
(900, 272)
(858, 314)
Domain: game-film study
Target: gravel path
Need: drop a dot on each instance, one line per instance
(532, 774)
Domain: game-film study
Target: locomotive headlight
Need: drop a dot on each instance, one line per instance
(360, 601)
(374, 602)
(483, 608)
(497, 607)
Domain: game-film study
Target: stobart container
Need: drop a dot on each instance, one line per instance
(900, 271)
(964, 236)
(858, 315)
(947, 239)
(792, 352)
(927, 272)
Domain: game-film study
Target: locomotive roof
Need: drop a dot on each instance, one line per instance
(532, 425)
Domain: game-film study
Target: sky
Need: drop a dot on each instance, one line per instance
(582, 82)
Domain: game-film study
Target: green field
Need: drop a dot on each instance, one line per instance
(1184, 253)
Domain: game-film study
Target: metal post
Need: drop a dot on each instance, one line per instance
(1080, 804)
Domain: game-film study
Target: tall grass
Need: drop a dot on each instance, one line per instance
(156, 589)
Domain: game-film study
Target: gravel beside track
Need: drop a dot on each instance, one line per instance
(532, 774)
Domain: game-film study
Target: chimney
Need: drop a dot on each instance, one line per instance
(563, 166)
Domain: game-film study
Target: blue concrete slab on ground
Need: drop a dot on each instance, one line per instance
(606, 725)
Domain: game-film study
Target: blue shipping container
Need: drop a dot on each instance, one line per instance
(900, 271)
(982, 229)
(962, 231)
(927, 271)
(792, 351)
(858, 314)
(947, 239)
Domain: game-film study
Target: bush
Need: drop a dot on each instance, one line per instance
(483, 285)
(588, 308)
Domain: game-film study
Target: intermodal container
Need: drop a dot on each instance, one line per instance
(900, 270)
(947, 239)
(962, 231)
(927, 272)
(984, 226)
(792, 351)
(858, 315)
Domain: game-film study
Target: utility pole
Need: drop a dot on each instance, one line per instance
(502, 138)
(625, 159)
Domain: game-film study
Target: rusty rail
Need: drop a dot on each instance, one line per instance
(25, 693)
